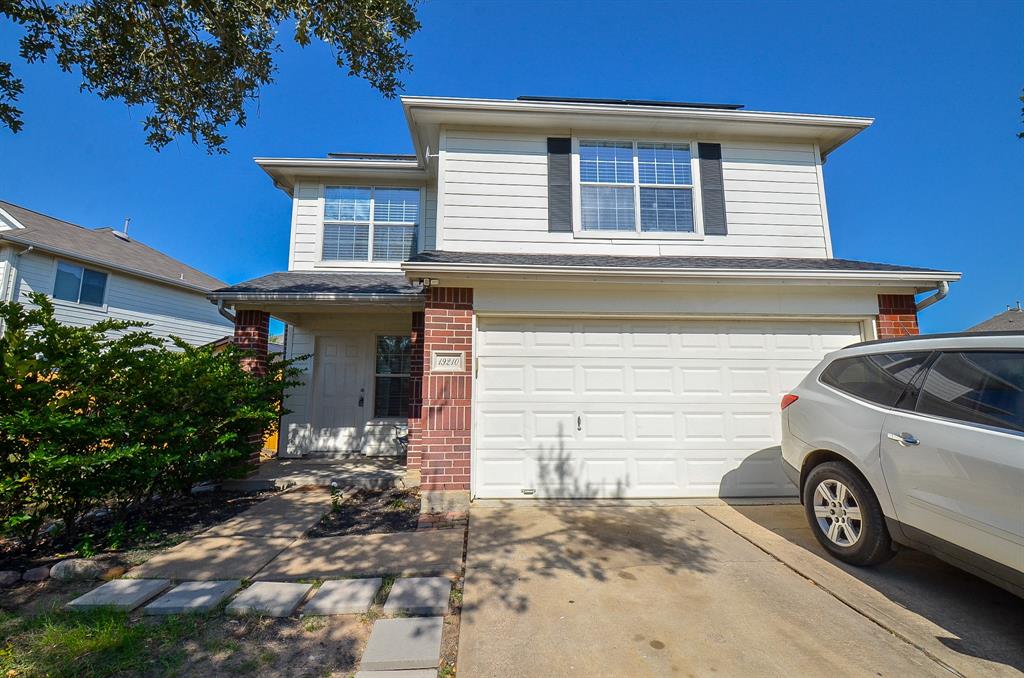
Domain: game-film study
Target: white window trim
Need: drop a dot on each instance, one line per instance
(102, 308)
(577, 193)
(369, 262)
(374, 374)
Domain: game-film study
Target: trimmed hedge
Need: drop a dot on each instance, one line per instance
(110, 416)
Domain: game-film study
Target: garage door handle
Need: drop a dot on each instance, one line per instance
(903, 438)
(579, 423)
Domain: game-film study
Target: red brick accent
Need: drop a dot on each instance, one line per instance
(442, 441)
(897, 315)
(412, 461)
(252, 333)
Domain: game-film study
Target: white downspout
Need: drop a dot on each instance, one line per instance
(940, 293)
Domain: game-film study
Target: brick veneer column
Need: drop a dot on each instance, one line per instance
(897, 315)
(252, 333)
(412, 461)
(443, 440)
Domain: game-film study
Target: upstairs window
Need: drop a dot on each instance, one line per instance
(370, 223)
(79, 285)
(636, 186)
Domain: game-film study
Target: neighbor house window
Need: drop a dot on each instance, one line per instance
(79, 284)
(370, 223)
(636, 186)
(391, 377)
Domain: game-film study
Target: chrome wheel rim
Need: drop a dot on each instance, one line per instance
(837, 512)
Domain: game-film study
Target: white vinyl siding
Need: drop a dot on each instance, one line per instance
(169, 311)
(495, 200)
(307, 232)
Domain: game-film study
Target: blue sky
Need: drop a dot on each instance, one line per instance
(938, 181)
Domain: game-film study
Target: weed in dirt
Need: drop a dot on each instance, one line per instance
(313, 624)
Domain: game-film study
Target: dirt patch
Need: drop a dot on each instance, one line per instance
(132, 539)
(370, 512)
(310, 646)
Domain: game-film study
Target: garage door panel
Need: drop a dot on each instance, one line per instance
(638, 408)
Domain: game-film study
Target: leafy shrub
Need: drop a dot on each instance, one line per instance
(109, 416)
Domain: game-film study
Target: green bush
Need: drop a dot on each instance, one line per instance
(109, 416)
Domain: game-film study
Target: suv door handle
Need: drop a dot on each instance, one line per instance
(904, 439)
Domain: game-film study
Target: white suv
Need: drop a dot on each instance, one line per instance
(916, 441)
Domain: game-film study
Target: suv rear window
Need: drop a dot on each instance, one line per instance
(879, 378)
(976, 387)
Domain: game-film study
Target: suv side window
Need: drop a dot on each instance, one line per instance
(976, 387)
(880, 378)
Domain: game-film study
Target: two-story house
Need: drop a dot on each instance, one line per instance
(94, 274)
(567, 297)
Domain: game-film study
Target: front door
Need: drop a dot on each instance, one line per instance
(341, 393)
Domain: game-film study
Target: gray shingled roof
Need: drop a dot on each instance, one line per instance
(1009, 320)
(605, 261)
(102, 247)
(327, 283)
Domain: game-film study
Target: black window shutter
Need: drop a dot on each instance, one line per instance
(559, 185)
(712, 188)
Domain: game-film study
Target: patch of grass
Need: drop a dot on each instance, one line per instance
(313, 624)
(446, 671)
(219, 645)
(90, 643)
(456, 597)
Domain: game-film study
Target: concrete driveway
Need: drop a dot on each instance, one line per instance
(588, 589)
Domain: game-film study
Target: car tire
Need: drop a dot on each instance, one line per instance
(845, 516)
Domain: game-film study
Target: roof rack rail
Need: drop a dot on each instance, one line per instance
(943, 335)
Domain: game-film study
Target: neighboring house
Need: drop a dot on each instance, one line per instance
(96, 274)
(570, 297)
(1010, 320)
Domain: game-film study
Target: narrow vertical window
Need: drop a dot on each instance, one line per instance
(391, 376)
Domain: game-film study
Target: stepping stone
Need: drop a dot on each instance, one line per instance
(193, 596)
(397, 644)
(419, 595)
(348, 596)
(121, 594)
(270, 599)
(408, 673)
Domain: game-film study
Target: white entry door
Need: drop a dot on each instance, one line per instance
(341, 392)
(633, 408)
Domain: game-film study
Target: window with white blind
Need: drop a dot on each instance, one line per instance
(636, 186)
(367, 223)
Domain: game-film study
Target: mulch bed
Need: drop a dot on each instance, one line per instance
(371, 512)
(159, 524)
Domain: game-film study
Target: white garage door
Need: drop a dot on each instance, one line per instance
(574, 407)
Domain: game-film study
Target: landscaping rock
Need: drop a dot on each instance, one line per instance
(8, 577)
(41, 573)
(77, 569)
(114, 572)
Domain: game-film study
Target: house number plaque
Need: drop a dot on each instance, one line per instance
(447, 361)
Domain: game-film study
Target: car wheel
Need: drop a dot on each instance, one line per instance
(845, 516)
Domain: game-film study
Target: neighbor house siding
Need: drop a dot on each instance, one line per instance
(495, 199)
(168, 310)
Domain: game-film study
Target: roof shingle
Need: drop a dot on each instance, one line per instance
(101, 246)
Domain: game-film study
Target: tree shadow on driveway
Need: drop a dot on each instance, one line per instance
(964, 613)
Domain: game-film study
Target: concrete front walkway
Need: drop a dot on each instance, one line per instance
(650, 591)
(359, 472)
